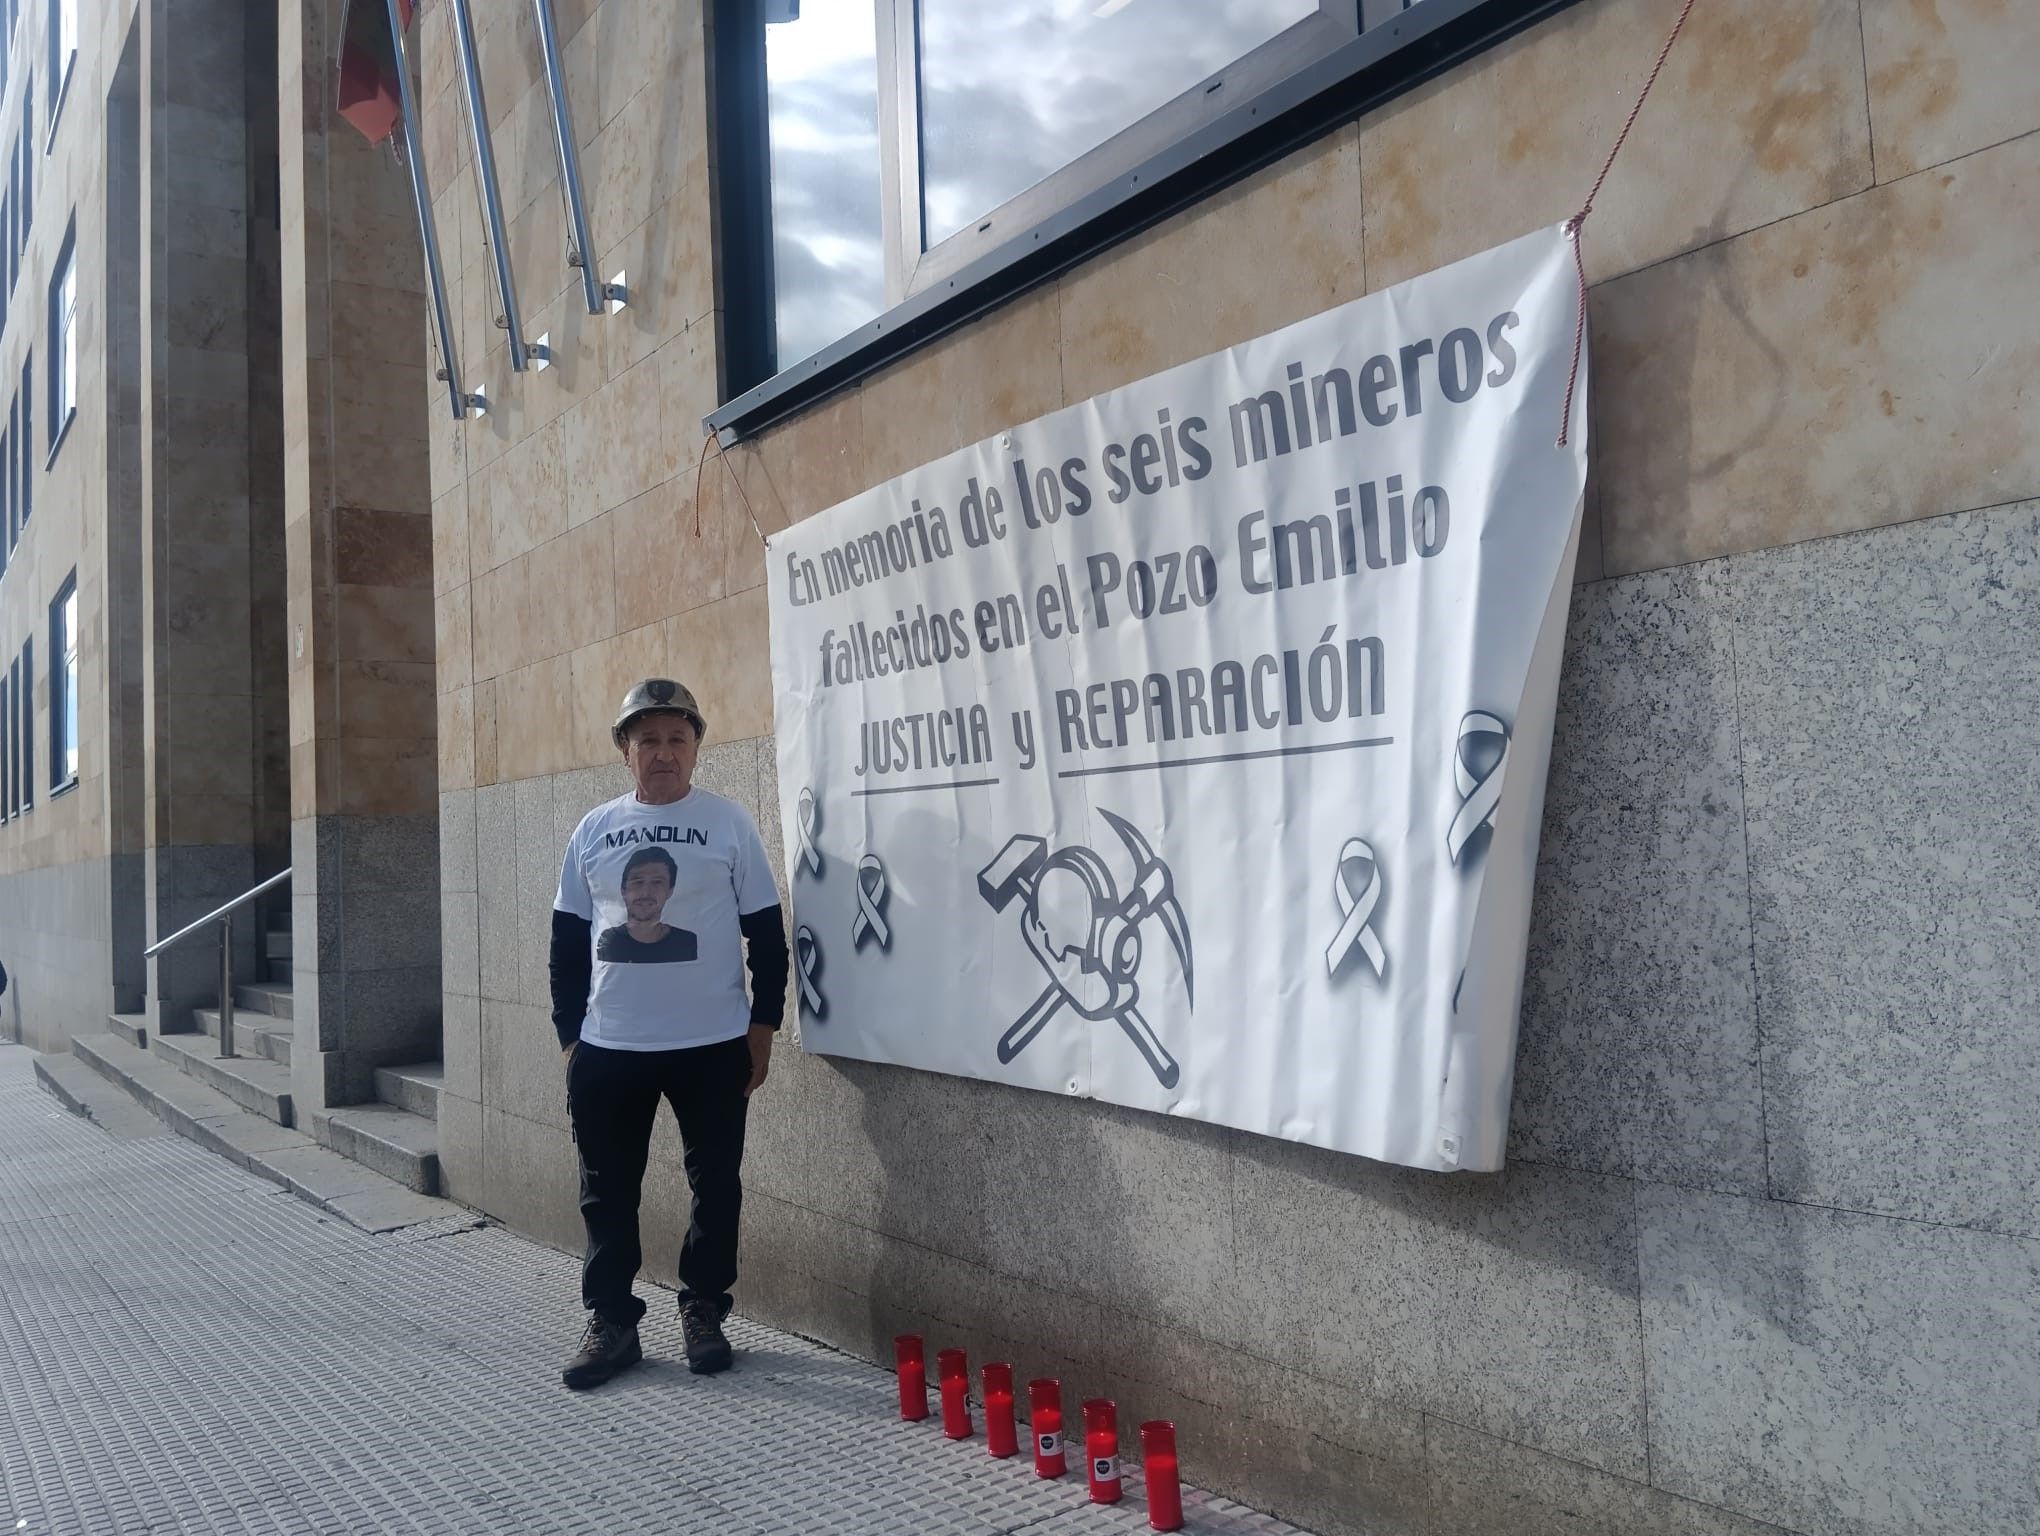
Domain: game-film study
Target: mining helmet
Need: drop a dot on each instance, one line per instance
(657, 695)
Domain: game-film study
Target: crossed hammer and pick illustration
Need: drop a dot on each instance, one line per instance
(1086, 937)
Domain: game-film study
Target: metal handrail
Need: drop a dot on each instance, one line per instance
(224, 916)
(212, 917)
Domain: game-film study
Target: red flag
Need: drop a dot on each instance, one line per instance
(368, 67)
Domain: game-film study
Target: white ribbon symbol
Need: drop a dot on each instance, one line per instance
(806, 817)
(870, 920)
(807, 965)
(1478, 796)
(1358, 907)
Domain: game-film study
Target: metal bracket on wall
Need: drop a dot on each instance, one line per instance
(464, 404)
(579, 247)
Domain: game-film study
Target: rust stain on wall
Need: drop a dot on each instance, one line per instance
(1928, 84)
(1413, 225)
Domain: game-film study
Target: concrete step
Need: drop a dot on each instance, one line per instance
(289, 1158)
(131, 1027)
(415, 1087)
(270, 997)
(394, 1142)
(258, 1035)
(186, 1105)
(276, 943)
(84, 1092)
(253, 1082)
(278, 973)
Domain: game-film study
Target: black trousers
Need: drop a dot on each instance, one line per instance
(614, 1097)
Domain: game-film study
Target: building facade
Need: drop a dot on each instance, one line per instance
(1767, 1255)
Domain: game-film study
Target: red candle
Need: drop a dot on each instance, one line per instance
(1000, 1438)
(913, 1376)
(1158, 1465)
(1101, 1446)
(955, 1373)
(1044, 1402)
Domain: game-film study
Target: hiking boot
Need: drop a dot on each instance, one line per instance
(707, 1350)
(606, 1348)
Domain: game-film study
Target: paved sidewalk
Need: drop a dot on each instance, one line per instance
(186, 1348)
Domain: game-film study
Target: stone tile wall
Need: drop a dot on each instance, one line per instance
(358, 557)
(1764, 1259)
(53, 943)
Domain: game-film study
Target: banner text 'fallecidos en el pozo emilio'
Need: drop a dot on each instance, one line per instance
(1185, 748)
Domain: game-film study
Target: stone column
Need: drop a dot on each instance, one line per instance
(126, 759)
(358, 540)
(197, 683)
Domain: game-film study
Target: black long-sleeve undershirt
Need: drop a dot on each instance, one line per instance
(765, 953)
(572, 969)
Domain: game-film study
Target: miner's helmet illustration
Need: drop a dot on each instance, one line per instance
(1087, 937)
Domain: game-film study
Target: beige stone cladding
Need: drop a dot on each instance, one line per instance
(1766, 1256)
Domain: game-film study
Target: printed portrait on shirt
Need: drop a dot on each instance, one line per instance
(644, 937)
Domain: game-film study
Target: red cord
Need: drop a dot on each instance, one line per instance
(742, 495)
(1577, 223)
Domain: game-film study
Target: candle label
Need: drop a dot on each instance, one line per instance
(1051, 1444)
(1105, 1468)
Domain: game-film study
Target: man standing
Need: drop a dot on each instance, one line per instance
(675, 882)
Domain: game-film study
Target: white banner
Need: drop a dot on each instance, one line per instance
(1186, 748)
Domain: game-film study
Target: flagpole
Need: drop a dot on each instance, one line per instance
(592, 291)
(485, 173)
(421, 196)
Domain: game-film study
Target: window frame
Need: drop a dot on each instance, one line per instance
(7, 682)
(24, 200)
(24, 436)
(63, 691)
(10, 508)
(25, 768)
(63, 63)
(1216, 148)
(913, 265)
(63, 344)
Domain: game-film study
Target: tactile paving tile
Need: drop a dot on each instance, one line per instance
(184, 1348)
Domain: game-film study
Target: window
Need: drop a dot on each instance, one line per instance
(24, 700)
(64, 686)
(889, 168)
(12, 515)
(12, 715)
(6, 747)
(24, 151)
(24, 434)
(63, 342)
(63, 52)
(897, 154)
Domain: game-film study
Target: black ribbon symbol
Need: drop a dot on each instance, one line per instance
(808, 817)
(871, 897)
(1479, 795)
(807, 965)
(1358, 907)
